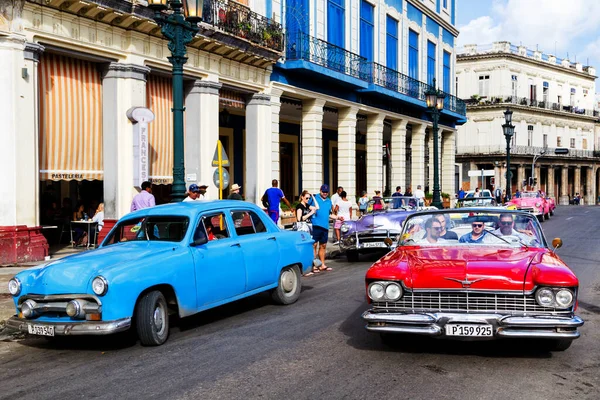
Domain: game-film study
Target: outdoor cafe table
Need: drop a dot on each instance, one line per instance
(85, 225)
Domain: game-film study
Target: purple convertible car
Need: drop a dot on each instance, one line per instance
(383, 220)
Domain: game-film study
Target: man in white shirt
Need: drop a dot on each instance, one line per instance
(193, 193)
(420, 195)
(336, 196)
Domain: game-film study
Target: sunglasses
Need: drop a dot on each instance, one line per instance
(477, 225)
(437, 228)
(506, 223)
(306, 197)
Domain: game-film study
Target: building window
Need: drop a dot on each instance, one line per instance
(558, 141)
(572, 143)
(545, 91)
(484, 85)
(447, 61)
(545, 140)
(413, 54)
(445, 4)
(336, 22)
(430, 62)
(572, 99)
(391, 44)
(585, 144)
(367, 24)
(530, 135)
(514, 86)
(513, 143)
(532, 91)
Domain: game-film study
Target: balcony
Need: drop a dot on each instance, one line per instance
(238, 20)
(500, 150)
(527, 102)
(311, 55)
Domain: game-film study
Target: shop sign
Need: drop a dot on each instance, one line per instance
(140, 117)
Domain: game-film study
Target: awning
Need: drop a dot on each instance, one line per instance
(70, 119)
(233, 99)
(159, 99)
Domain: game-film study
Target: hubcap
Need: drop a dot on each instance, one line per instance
(288, 281)
(159, 318)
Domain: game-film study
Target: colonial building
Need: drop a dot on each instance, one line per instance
(554, 106)
(315, 105)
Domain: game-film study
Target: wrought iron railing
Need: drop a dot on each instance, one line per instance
(301, 46)
(522, 150)
(239, 20)
(525, 101)
(398, 82)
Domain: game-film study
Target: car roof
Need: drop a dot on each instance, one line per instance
(191, 208)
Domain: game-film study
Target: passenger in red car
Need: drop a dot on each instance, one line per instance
(445, 234)
(433, 229)
(477, 235)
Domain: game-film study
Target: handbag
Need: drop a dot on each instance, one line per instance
(302, 226)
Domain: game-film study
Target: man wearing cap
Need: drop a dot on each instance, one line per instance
(235, 192)
(274, 196)
(193, 193)
(320, 222)
(202, 195)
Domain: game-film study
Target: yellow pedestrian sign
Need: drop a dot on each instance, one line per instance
(223, 159)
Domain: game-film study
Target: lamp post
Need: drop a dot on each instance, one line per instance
(535, 158)
(435, 103)
(509, 131)
(179, 27)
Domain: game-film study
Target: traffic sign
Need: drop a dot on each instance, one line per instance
(480, 172)
(224, 158)
(225, 178)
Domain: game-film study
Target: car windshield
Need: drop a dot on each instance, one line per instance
(377, 204)
(163, 228)
(476, 202)
(468, 227)
(530, 195)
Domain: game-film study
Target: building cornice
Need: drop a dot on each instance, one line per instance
(488, 56)
(532, 111)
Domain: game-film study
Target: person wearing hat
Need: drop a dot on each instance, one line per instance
(320, 222)
(235, 192)
(193, 193)
(202, 194)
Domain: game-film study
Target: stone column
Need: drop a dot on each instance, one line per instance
(374, 153)
(123, 87)
(418, 157)
(275, 110)
(398, 151)
(537, 174)
(520, 176)
(577, 181)
(258, 152)
(593, 186)
(564, 185)
(550, 189)
(312, 144)
(590, 189)
(448, 155)
(201, 134)
(347, 151)
(474, 181)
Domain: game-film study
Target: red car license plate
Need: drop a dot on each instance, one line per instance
(469, 330)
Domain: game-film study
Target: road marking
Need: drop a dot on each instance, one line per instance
(569, 218)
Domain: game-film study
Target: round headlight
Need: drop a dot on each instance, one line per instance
(73, 308)
(28, 308)
(376, 291)
(545, 297)
(100, 286)
(14, 287)
(538, 205)
(393, 291)
(345, 228)
(564, 298)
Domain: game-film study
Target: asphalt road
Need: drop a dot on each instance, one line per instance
(318, 349)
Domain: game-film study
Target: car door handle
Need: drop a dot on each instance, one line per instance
(272, 238)
(235, 245)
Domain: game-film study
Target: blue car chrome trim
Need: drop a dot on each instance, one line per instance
(74, 328)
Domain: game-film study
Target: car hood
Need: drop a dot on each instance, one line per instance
(468, 268)
(391, 220)
(74, 274)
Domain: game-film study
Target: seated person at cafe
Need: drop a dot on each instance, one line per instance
(478, 234)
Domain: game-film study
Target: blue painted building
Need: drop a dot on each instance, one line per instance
(348, 96)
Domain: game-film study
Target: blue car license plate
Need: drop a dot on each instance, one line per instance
(40, 330)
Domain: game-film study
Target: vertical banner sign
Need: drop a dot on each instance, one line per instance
(140, 117)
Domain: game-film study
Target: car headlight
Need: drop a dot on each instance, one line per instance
(564, 298)
(538, 205)
(345, 228)
(393, 291)
(28, 308)
(14, 287)
(376, 291)
(545, 297)
(100, 286)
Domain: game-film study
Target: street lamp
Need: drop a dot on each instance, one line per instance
(535, 158)
(179, 27)
(509, 131)
(435, 103)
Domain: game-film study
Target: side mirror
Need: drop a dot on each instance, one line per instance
(556, 243)
(199, 241)
(388, 241)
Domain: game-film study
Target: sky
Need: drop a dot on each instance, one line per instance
(555, 27)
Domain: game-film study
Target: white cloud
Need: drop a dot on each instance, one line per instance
(480, 31)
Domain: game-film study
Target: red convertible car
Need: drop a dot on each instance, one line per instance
(534, 203)
(474, 274)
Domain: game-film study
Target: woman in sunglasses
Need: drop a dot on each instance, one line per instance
(477, 235)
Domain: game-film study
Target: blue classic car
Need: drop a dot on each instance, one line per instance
(172, 259)
(378, 228)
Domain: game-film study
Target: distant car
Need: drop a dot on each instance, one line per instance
(377, 230)
(172, 259)
(499, 279)
(532, 202)
(551, 204)
(476, 202)
(484, 193)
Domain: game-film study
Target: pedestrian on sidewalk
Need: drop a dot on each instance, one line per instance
(343, 212)
(273, 196)
(143, 199)
(420, 195)
(320, 222)
(193, 193)
(336, 196)
(235, 192)
(362, 203)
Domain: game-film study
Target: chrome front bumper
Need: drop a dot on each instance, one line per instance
(507, 326)
(74, 328)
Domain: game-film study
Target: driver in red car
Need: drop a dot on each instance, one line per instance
(506, 228)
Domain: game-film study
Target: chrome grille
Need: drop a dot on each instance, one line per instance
(468, 302)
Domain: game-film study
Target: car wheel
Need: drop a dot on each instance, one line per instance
(547, 216)
(152, 319)
(557, 344)
(289, 286)
(352, 256)
(551, 212)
